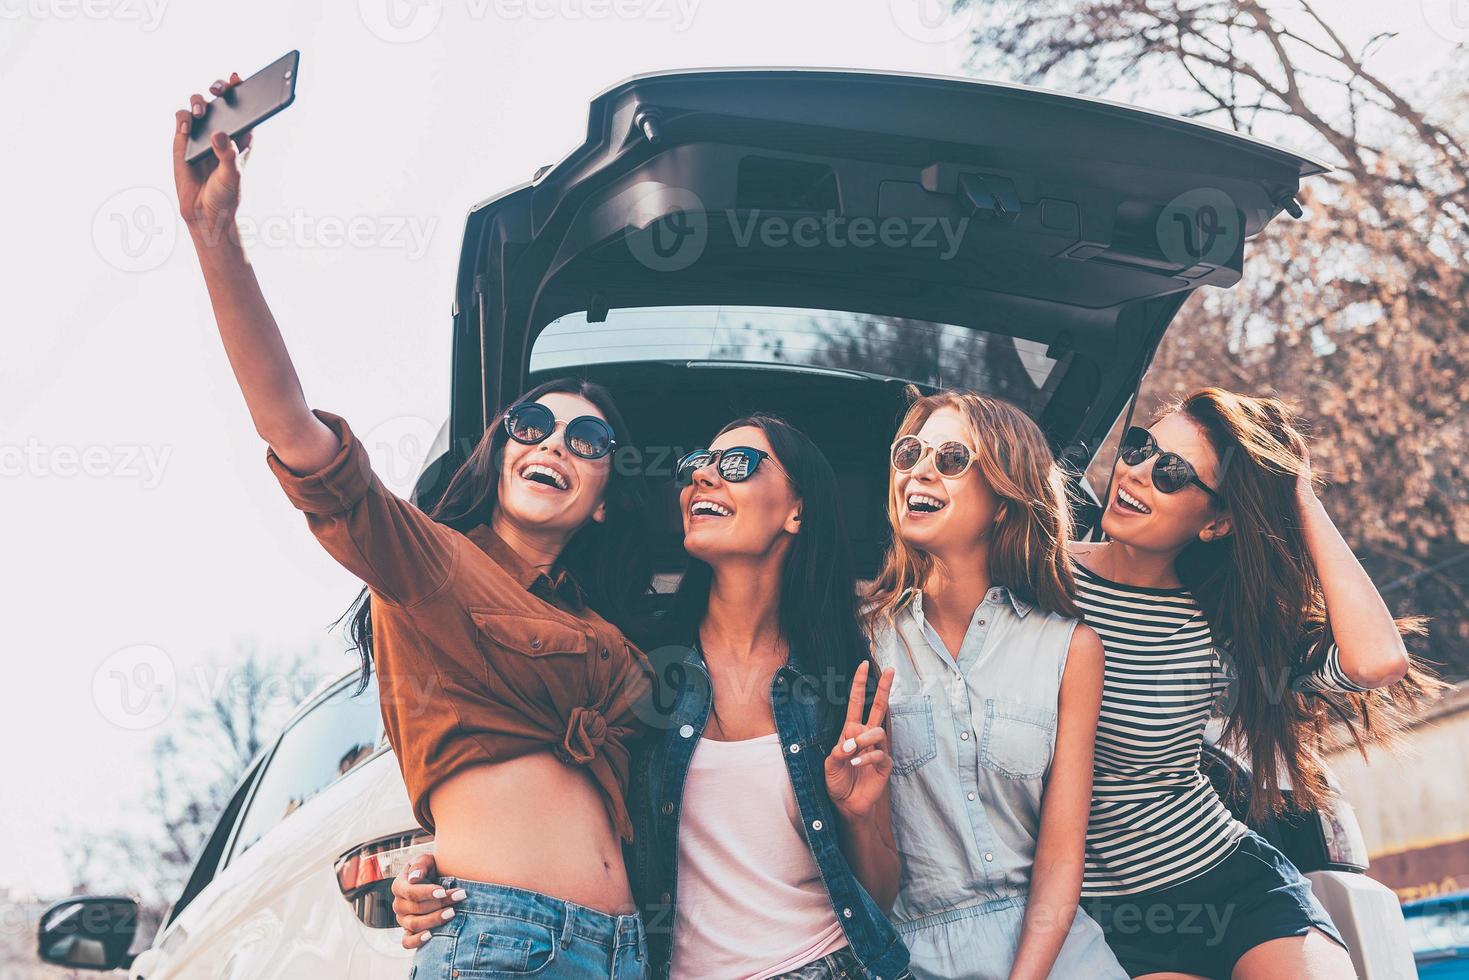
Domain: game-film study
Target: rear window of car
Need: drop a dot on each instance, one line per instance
(939, 355)
(334, 737)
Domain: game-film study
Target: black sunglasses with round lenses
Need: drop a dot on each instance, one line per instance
(951, 459)
(586, 435)
(1171, 472)
(735, 464)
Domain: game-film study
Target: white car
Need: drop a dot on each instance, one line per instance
(294, 880)
(804, 242)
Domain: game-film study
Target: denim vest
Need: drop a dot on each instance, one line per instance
(808, 720)
(972, 736)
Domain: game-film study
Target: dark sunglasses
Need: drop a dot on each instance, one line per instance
(586, 435)
(1171, 472)
(951, 459)
(735, 464)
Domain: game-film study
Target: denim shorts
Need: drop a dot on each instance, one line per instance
(1205, 924)
(499, 932)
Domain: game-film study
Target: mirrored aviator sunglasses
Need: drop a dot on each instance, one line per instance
(1171, 472)
(735, 464)
(586, 435)
(950, 459)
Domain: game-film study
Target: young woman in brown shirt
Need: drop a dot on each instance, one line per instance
(509, 701)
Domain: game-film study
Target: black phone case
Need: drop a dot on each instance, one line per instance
(245, 106)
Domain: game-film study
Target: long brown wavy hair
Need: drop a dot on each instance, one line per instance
(1028, 549)
(1262, 596)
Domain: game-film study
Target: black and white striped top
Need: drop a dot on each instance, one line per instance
(1155, 818)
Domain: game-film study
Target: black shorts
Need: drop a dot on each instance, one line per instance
(1205, 924)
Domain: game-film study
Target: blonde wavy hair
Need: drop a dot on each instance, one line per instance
(1028, 547)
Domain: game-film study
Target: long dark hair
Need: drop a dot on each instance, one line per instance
(608, 559)
(1263, 598)
(818, 589)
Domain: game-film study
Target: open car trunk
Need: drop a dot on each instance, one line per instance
(806, 242)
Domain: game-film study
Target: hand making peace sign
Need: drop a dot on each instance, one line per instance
(858, 768)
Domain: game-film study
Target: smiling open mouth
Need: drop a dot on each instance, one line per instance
(708, 508)
(536, 473)
(922, 503)
(1129, 502)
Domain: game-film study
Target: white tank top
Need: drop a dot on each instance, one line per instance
(751, 903)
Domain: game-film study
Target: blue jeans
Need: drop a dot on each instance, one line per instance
(503, 932)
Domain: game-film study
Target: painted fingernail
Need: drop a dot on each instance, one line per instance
(857, 760)
(415, 874)
(850, 745)
(447, 914)
(424, 937)
(439, 893)
(198, 108)
(184, 126)
(459, 895)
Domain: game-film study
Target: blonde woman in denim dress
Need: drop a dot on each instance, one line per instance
(994, 706)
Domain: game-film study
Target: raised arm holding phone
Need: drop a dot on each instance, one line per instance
(499, 676)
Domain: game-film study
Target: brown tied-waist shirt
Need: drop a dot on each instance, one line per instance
(480, 656)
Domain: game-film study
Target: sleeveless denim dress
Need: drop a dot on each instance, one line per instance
(972, 738)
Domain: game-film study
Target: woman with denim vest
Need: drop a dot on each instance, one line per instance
(759, 794)
(994, 705)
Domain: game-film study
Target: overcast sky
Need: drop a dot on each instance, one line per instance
(142, 535)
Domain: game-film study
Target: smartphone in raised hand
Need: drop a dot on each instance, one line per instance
(240, 109)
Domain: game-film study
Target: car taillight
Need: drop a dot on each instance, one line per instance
(1341, 836)
(365, 874)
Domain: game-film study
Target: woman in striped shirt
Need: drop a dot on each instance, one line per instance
(1213, 592)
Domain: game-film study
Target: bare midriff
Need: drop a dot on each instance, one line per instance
(534, 823)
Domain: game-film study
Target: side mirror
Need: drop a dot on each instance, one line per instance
(89, 932)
